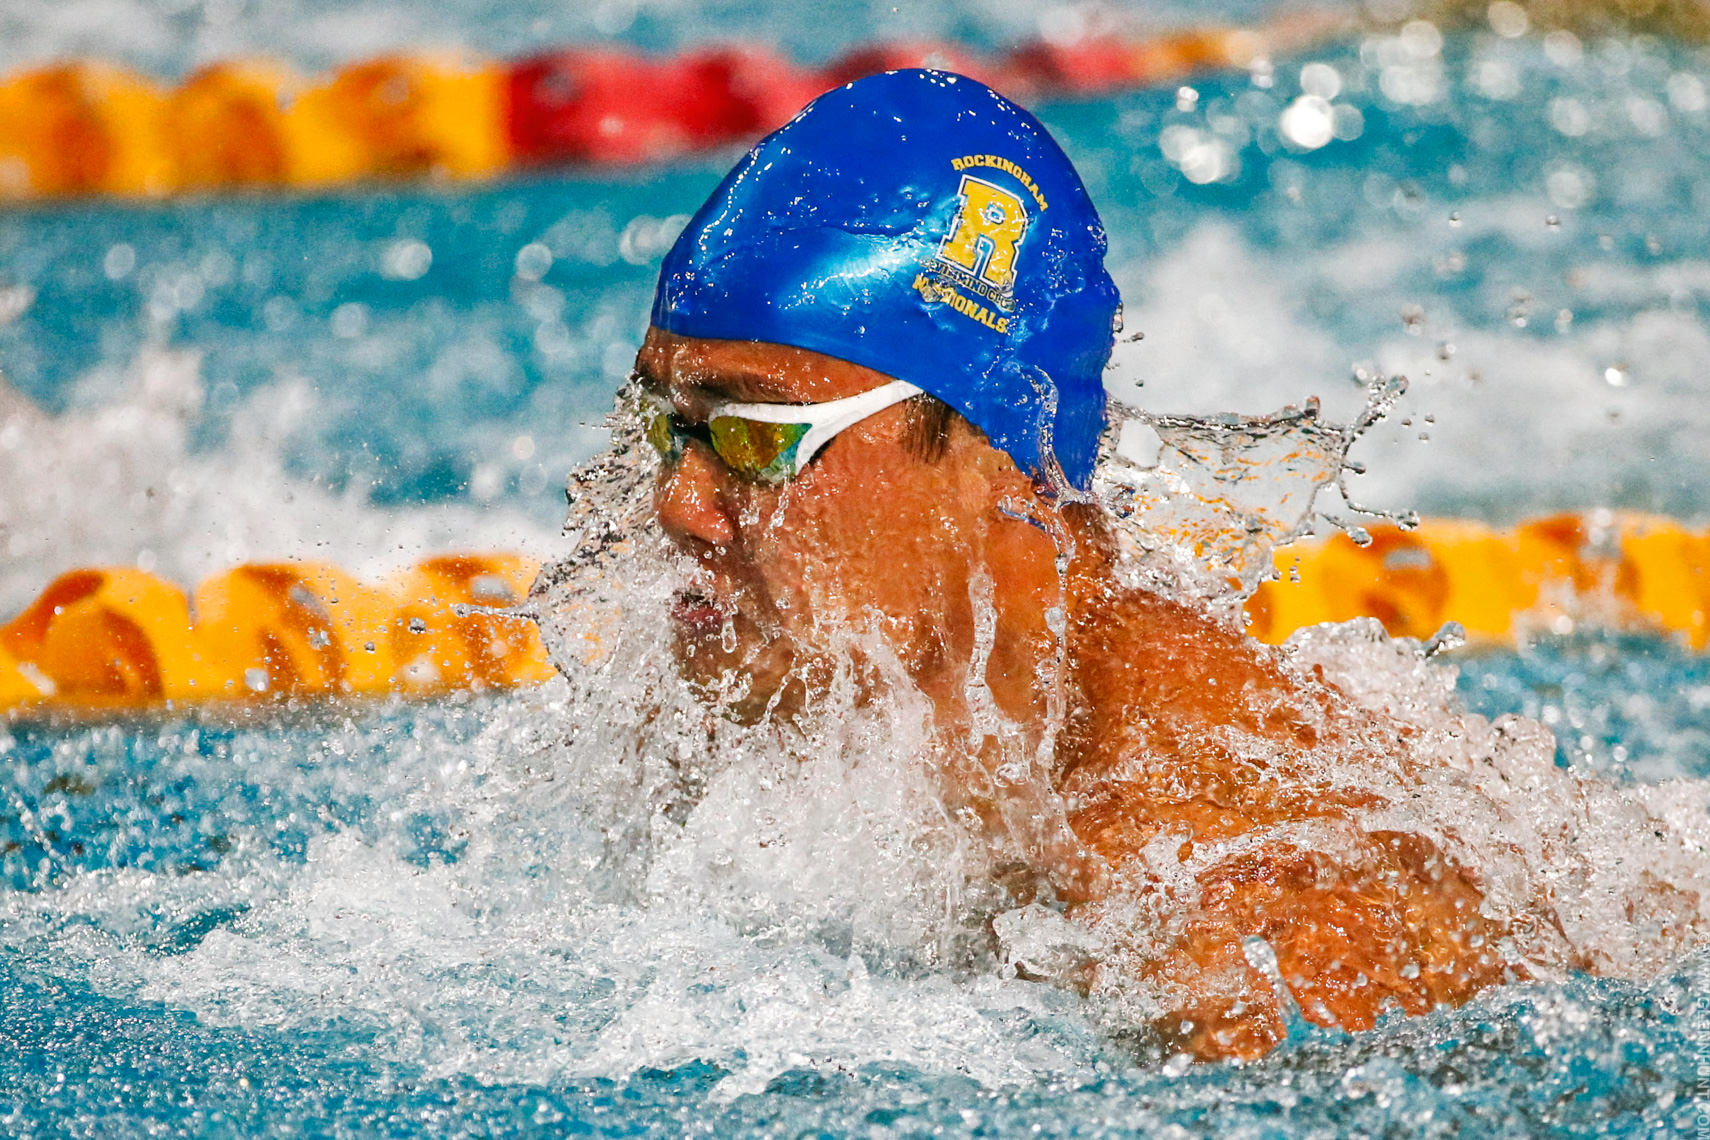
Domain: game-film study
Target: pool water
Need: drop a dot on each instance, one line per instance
(386, 919)
(1523, 246)
(250, 930)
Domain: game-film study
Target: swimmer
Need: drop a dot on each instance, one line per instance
(874, 378)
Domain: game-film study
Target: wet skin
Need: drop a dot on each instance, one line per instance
(1177, 730)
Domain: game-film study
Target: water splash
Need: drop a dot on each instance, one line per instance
(1225, 491)
(748, 819)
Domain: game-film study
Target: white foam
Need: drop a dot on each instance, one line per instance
(1519, 421)
(554, 947)
(119, 483)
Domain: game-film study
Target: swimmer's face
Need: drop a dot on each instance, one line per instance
(870, 538)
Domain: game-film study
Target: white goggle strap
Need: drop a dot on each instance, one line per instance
(824, 420)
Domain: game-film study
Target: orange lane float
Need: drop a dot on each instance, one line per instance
(225, 127)
(84, 128)
(295, 627)
(81, 128)
(395, 117)
(438, 644)
(1670, 580)
(114, 636)
(1412, 581)
(1549, 574)
(119, 637)
(16, 687)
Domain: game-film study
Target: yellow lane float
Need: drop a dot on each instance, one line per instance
(437, 646)
(401, 116)
(81, 128)
(106, 637)
(225, 127)
(119, 637)
(1605, 568)
(295, 627)
(16, 687)
(1671, 577)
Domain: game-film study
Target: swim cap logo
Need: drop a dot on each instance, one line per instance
(984, 234)
(976, 259)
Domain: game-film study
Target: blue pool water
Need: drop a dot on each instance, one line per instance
(1524, 246)
(368, 920)
(142, 840)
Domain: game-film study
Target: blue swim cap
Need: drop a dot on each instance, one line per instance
(920, 224)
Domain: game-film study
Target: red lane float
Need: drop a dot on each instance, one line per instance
(89, 128)
(876, 58)
(607, 107)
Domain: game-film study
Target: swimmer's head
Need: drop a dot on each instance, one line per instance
(921, 225)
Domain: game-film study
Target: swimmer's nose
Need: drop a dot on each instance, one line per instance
(687, 500)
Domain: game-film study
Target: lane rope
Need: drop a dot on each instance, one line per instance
(119, 638)
(86, 127)
(1549, 575)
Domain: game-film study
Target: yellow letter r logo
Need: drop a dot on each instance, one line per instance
(985, 232)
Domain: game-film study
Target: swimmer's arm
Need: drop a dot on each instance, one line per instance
(1345, 922)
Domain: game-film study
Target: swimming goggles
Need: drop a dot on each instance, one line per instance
(768, 442)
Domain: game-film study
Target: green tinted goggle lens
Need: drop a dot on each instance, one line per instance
(750, 448)
(662, 434)
(760, 450)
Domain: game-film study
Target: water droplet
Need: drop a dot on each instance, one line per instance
(1507, 19)
(1520, 309)
(417, 625)
(407, 259)
(120, 260)
(1321, 79)
(532, 261)
(1309, 122)
(350, 320)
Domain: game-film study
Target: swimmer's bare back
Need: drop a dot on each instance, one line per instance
(1196, 747)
